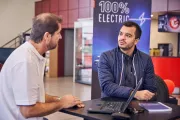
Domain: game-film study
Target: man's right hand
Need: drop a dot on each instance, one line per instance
(42, 109)
(69, 101)
(144, 95)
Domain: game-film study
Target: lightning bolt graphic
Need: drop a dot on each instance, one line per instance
(141, 18)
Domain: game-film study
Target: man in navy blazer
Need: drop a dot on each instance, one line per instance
(120, 69)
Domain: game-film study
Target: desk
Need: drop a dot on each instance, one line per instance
(82, 112)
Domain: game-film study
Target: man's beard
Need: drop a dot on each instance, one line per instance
(51, 46)
(127, 48)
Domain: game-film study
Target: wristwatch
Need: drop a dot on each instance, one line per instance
(59, 98)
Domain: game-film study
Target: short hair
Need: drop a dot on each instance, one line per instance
(133, 24)
(45, 22)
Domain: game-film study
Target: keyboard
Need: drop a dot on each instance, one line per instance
(112, 106)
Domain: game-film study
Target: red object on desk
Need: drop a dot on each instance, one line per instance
(168, 68)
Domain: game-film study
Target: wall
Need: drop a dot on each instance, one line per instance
(68, 52)
(70, 10)
(53, 61)
(15, 17)
(165, 5)
(162, 37)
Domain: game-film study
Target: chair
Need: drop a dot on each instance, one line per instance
(163, 92)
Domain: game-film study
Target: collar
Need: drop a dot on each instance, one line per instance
(33, 49)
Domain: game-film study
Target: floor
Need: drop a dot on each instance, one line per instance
(62, 86)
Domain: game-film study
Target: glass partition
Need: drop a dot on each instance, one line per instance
(83, 34)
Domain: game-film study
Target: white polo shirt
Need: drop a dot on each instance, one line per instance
(21, 82)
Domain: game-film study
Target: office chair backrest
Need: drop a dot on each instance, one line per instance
(162, 90)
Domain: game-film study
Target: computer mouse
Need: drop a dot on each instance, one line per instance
(119, 115)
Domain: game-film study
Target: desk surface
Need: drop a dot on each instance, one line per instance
(82, 112)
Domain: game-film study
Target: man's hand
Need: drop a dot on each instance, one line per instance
(69, 101)
(42, 109)
(144, 95)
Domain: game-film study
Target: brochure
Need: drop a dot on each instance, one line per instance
(155, 107)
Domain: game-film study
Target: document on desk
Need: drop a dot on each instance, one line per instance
(155, 107)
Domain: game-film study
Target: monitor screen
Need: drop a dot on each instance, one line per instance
(169, 23)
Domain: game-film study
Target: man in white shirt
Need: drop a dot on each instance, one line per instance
(22, 94)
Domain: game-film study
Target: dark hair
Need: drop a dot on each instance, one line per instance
(133, 24)
(45, 22)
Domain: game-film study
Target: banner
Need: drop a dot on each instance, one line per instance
(108, 18)
(107, 21)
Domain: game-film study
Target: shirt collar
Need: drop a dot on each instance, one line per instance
(33, 49)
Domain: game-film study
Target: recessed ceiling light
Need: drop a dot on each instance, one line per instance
(151, 15)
